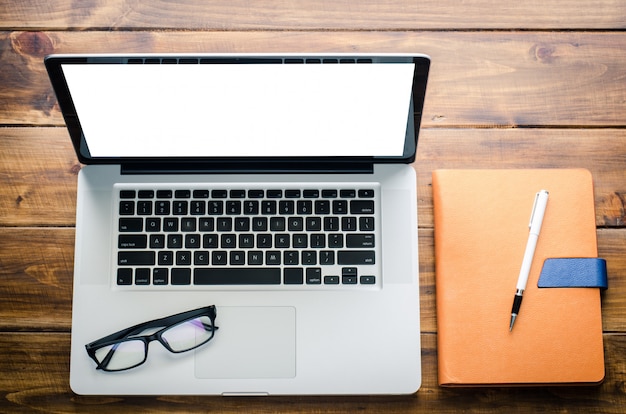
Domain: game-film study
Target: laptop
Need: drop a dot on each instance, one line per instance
(275, 190)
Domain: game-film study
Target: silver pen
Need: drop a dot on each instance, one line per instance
(536, 219)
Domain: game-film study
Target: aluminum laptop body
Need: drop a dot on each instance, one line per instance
(272, 140)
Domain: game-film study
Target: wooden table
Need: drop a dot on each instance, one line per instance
(514, 84)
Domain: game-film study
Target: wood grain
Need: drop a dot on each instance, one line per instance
(40, 363)
(478, 79)
(38, 167)
(36, 269)
(534, 84)
(311, 15)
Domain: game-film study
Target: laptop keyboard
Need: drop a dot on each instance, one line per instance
(290, 236)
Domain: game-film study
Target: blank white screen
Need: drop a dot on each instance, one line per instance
(242, 110)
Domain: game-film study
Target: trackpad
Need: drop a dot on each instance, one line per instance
(251, 342)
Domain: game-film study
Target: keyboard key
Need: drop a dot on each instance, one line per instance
(368, 280)
(181, 276)
(182, 194)
(127, 194)
(180, 208)
(198, 208)
(188, 224)
(237, 257)
(140, 258)
(305, 207)
(216, 208)
(251, 207)
(219, 258)
(127, 208)
(237, 276)
(153, 224)
(294, 276)
(132, 241)
(366, 193)
(157, 241)
(144, 208)
(145, 194)
(160, 276)
(327, 257)
(311, 193)
(164, 194)
(268, 207)
(170, 224)
(366, 223)
(322, 207)
(356, 257)
(142, 276)
(362, 207)
(124, 276)
(360, 240)
(162, 207)
(340, 207)
(331, 223)
(192, 241)
(349, 280)
(131, 225)
(233, 207)
(331, 280)
(200, 193)
(242, 224)
(313, 276)
(201, 258)
(166, 258)
(286, 207)
(295, 224)
(256, 193)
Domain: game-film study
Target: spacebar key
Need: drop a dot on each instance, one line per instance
(237, 276)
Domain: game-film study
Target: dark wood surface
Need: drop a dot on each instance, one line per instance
(514, 84)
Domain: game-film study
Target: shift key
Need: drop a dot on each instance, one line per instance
(136, 258)
(356, 257)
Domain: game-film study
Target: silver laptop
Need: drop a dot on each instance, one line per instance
(246, 224)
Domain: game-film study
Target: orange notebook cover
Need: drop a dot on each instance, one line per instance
(481, 230)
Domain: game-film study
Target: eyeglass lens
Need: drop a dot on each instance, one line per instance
(129, 352)
(188, 334)
(122, 355)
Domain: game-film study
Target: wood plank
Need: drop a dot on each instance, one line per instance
(600, 151)
(39, 364)
(36, 266)
(38, 171)
(38, 167)
(477, 78)
(312, 15)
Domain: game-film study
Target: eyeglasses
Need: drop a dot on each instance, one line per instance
(128, 349)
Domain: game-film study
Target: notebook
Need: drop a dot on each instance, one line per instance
(276, 188)
(481, 230)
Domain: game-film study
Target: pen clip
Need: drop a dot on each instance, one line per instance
(532, 213)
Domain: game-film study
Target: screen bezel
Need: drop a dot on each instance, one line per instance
(54, 67)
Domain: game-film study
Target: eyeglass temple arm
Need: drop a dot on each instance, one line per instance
(168, 320)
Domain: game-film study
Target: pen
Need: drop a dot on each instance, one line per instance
(536, 219)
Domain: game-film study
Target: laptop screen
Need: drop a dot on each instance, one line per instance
(226, 109)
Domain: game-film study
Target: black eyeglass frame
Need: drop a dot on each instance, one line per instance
(131, 334)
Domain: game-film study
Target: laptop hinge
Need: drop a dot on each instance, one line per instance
(248, 168)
